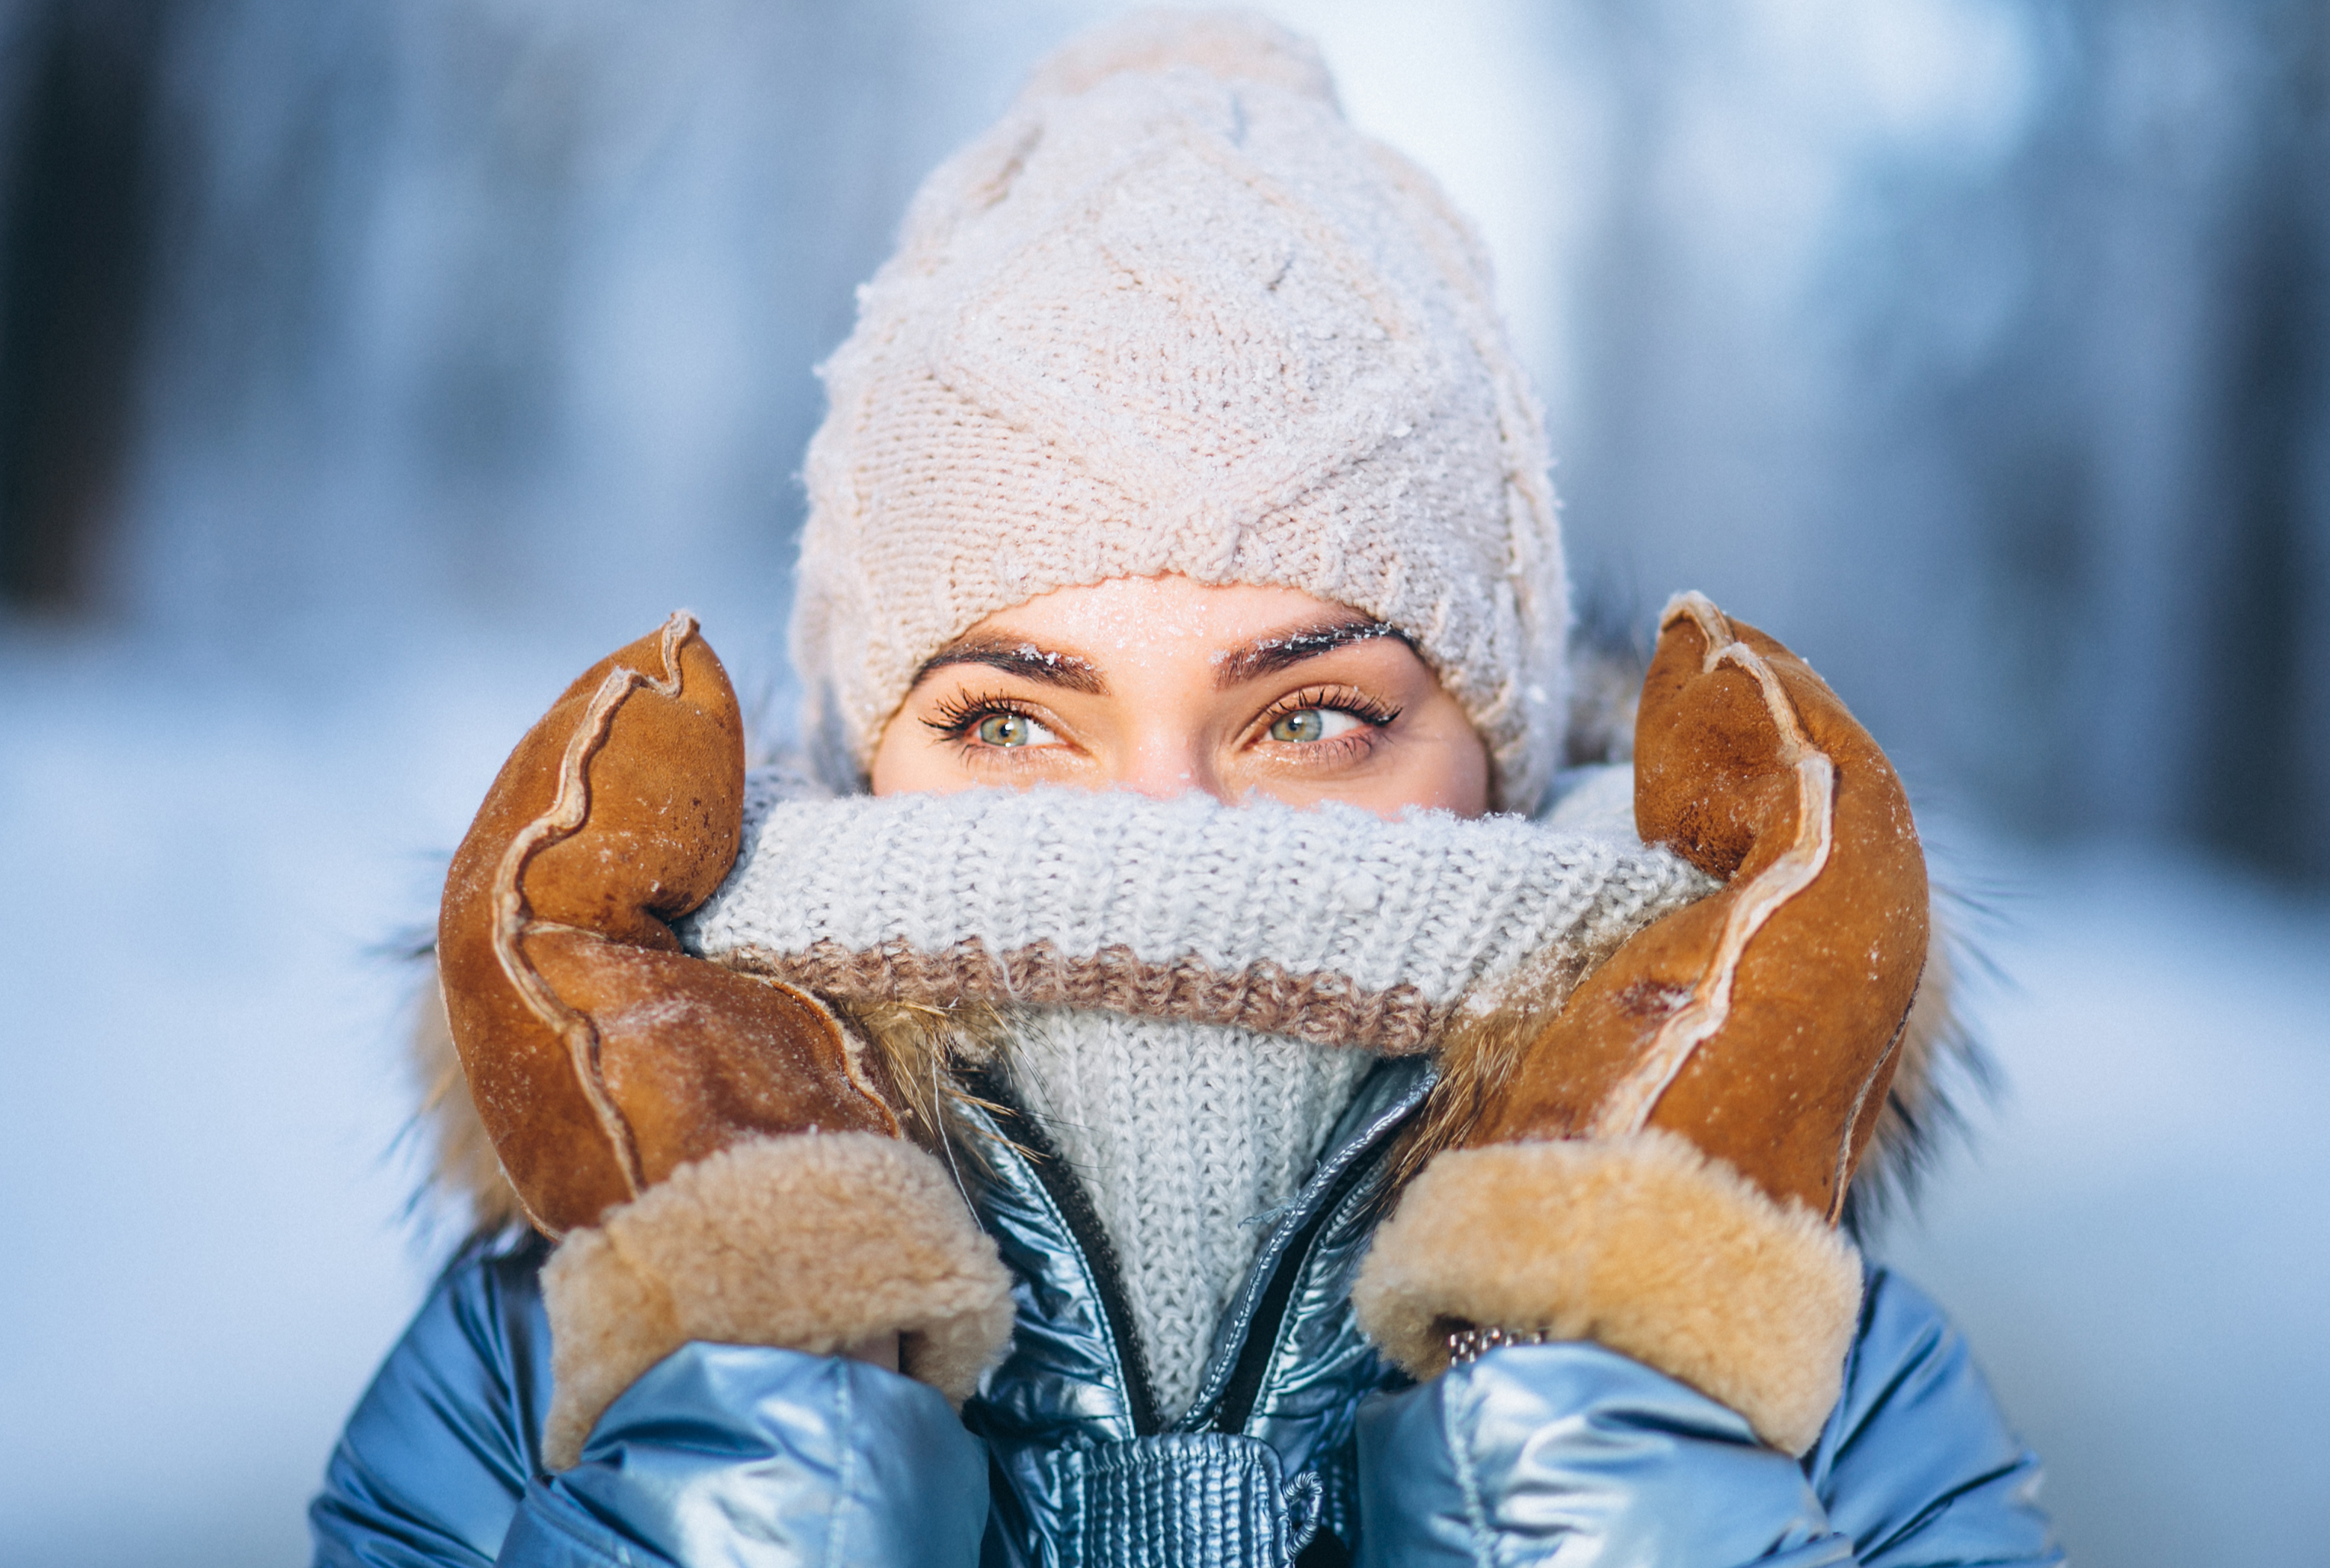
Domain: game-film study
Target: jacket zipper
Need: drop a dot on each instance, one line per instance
(1261, 1343)
(1083, 1220)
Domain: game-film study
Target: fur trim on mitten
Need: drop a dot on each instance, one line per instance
(810, 1242)
(1642, 1243)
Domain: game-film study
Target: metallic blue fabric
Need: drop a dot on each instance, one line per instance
(1569, 1455)
(1282, 1388)
(1302, 1444)
(1565, 1454)
(432, 1467)
(737, 1455)
(1180, 1500)
(720, 1454)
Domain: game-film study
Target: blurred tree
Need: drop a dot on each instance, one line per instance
(76, 225)
(2265, 792)
(2145, 446)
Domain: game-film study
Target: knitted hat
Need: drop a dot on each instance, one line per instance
(1173, 315)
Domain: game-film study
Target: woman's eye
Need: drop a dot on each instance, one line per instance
(1010, 729)
(1306, 724)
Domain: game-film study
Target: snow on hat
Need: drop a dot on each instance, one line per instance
(1173, 315)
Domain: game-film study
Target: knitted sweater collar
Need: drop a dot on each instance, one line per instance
(1329, 925)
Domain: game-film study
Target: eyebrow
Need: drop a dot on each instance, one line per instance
(1045, 666)
(1268, 655)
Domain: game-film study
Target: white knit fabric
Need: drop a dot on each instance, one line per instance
(1333, 901)
(1184, 1136)
(1173, 315)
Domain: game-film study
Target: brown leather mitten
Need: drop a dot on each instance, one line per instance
(1663, 1163)
(721, 1159)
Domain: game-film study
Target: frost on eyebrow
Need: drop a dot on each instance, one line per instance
(1269, 655)
(1047, 666)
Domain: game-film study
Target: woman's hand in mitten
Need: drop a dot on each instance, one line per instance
(722, 1162)
(1660, 1166)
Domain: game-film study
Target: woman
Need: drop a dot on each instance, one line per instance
(1284, 1121)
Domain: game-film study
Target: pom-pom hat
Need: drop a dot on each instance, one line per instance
(1173, 315)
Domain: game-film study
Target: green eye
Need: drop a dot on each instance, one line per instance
(983, 724)
(1307, 724)
(1013, 730)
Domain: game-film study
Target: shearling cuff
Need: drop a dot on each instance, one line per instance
(1642, 1243)
(809, 1242)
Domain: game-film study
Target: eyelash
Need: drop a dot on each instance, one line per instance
(960, 714)
(1369, 710)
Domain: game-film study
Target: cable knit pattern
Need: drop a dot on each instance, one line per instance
(1174, 315)
(1331, 925)
(1183, 1136)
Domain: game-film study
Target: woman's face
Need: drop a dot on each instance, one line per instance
(1163, 684)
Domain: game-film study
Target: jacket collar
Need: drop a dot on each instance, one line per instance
(1076, 1369)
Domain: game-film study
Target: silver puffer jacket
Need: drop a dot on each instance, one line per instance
(1304, 1447)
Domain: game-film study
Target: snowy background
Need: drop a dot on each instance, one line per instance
(367, 370)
